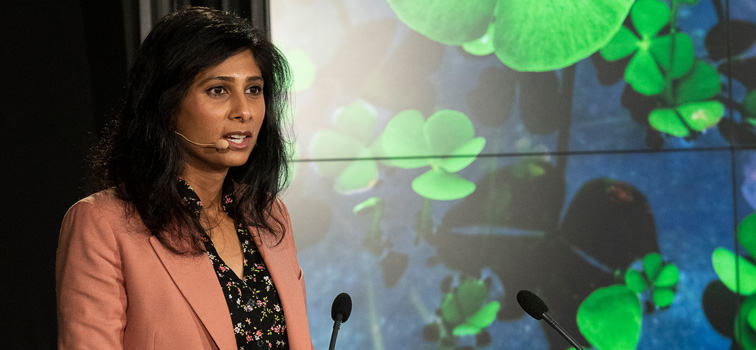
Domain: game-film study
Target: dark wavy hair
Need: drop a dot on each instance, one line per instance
(140, 156)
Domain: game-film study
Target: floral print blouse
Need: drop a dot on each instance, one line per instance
(253, 301)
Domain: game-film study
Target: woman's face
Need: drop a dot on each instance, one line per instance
(224, 102)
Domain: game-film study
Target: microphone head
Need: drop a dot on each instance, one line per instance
(532, 304)
(221, 144)
(342, 305)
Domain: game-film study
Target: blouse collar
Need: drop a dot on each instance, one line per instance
(192, 200)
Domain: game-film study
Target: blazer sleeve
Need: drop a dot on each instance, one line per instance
(91, 297)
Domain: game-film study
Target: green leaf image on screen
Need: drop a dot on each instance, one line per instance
(610, 318)
(368, 203)
(466, 308)
(355, 125)
(661, 278)
(745, 316)
(692, 113)
(678, 122)
(374, 241)
(702, 82)
(483, 45)
(725, 261)
(527, 35)
(650, 51)
(303, 69)
(446, 142)
(749, 107)
(738, 274)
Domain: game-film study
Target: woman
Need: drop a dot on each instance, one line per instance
(186, 245)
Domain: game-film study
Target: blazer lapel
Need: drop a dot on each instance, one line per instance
(286, 280)
(195, 278)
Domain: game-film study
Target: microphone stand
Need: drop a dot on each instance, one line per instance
(336, 326)
(553, 323)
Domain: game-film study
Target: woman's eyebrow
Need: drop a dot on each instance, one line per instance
(230, 79)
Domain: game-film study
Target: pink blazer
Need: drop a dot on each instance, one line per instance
(118, 287)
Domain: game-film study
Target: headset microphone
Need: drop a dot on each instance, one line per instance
(219, 145)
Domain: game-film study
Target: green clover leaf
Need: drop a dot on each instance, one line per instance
(701, 83)
(667, 120)
(441, 185)
(651, 52)
(697, 116)
(449, 22)
(358, 120)
(749, 104)
(751, 318)
(465, 329)
(527, 36)
(652, 263)
(403, 138)
(472, 294)
(449, 310)
(447, 130)
(354, 124)
(303, 69)
(332, 144)
(659, 276)
(746, 335)
(368, 203)
(483, 45)
(725, 265)
(649, 17)
(635, 281)
(610, 318)
(464, 307)
(481, 319)
(668, 276)
(446, 142)
(359, 174)
(702, 115)
(622, 45)
(643, 74)
(552, 34)
(661, 48)
(485, 316)
(747, 233)
(663, 297)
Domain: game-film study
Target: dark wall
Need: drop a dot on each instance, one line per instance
(49, 107)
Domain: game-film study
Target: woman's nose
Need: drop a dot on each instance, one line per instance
(241, 109)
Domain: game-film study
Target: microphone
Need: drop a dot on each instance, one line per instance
(536, 308)
(340, 311)
(219, 145)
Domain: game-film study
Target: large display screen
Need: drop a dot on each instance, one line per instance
(597, 153)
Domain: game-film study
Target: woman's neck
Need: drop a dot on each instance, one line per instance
(207, 186)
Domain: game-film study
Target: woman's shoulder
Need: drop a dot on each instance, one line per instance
(101, 216)
(279, 208)
(103, 203)
(102, 199)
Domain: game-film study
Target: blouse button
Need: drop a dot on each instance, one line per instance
(250, 303)
(260, 344)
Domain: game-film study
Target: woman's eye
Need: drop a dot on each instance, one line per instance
(254, 90)
(216, 91)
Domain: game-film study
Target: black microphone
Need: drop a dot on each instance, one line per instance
(340, 311)
(536, 308)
